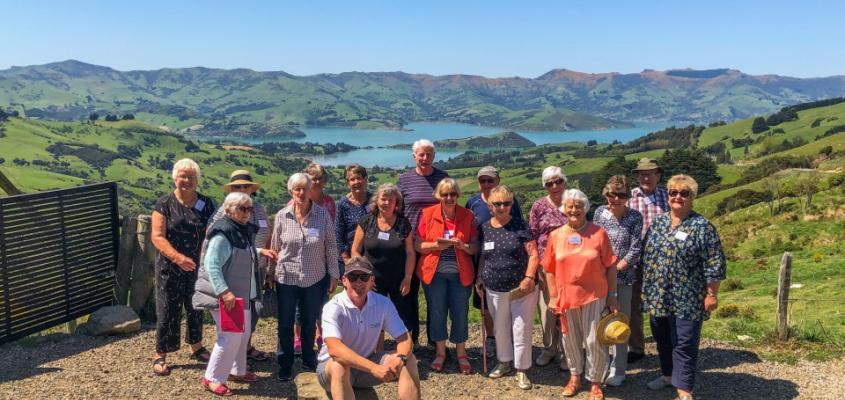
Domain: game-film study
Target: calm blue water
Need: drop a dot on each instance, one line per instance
(435, 131)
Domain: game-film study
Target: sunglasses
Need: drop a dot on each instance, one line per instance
(502, 203)
(486, 181)
(239, 187)
(450, 194)
(617, 195)
(244, 209)
(558, 182)
(683, 193)
(358, 277)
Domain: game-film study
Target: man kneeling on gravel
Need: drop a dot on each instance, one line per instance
(352, 322)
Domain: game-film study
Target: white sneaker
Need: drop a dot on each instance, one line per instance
(545, 358)
(658, 384)
(616, 380)
(502, 369)
(522, 380)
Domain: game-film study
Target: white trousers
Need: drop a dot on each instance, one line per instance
(620, 351)
(229, 354)
(582, 323)
(513, 325)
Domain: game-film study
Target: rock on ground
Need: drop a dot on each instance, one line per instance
(112, 320)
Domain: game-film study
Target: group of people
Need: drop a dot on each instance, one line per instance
(645, 250)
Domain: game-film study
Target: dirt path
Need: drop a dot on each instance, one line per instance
(76, 366)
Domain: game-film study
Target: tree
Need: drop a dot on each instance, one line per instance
(772, 186)
(808, 186)
(128, 116)
(692, 162)
(617, 166)
(111, 117)
(759, 125)
(93, 117)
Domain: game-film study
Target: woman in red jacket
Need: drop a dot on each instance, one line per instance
(447, 239)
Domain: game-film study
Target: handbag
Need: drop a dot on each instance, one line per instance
(267, 305)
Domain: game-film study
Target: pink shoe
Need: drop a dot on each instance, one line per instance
(297, 345)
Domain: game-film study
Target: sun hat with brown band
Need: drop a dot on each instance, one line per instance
(613, 329)
(647, 164)
(240, 177)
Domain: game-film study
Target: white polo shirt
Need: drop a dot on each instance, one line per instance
(357, 328)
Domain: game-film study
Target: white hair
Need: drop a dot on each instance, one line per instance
(234, 200)
(576, 195)
(421, 144)
(186, 164)
(553, 172)
(299, 179)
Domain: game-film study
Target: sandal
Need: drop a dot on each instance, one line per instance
(571, 388)
(463, 365)
(163, 369)
(437, 363)
(220, 390)
(201, 355)
(596, 394)
(248, 377)
(257, 355)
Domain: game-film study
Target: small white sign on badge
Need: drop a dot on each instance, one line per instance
(489, 245)
(384, 236)
(681, 235)
(199, 205)
(606, 214)
(575, 239)
(313, 232)
(262, 223)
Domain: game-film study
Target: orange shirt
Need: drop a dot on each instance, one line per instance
(579, 261)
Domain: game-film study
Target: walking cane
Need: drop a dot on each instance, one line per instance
(483, 337)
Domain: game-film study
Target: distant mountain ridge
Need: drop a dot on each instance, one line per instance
(559, 99)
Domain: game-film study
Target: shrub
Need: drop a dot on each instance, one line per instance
(727, 311)
(759, 125)
(732, 284)
(816, 123)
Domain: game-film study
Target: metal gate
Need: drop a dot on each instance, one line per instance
(58, 255)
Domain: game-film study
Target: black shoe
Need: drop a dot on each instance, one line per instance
(634, 357)
(284, 375)
(309, 367)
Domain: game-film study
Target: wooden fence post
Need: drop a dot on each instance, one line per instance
(784, 281)
(128, 247)
(141, 294)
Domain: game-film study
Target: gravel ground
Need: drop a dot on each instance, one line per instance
(77, 366)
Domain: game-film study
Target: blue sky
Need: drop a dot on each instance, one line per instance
(490, 38)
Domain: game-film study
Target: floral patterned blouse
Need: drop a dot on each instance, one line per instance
(624, 238)
(542, 220)
(678, 264)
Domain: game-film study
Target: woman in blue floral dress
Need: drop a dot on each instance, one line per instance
(683, 264)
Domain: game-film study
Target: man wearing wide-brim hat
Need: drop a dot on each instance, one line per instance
(651, 201)
(241, 181)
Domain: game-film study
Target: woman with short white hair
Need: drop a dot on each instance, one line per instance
(229, 271)
(579, 263)
(179, 221)
(305, 271)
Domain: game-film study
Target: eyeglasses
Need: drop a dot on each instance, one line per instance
(450, 194)
(245, 209)
(684, 193)
(558, 182)
(502, 203)
(486, 181)
(616, 195)
(358, 277)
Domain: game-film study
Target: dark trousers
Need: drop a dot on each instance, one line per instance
(677, 345)
(174, 292)
(406, 306)
(636, 343)
(309, 300)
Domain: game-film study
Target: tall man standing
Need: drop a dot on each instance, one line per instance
(650, 201)
(417, 188)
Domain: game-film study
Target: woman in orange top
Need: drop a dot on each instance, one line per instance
(578, 261)
(447, 239)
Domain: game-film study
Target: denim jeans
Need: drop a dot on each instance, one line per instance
(677, 345)
(309, 300)
(445, 296)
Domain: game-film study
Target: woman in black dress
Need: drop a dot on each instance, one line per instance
(179, 221)
(384, 237)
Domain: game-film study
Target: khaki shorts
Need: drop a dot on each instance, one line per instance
(360, 379)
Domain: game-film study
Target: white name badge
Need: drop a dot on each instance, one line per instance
(383, 236)
(649, 199)
(575, 239)
(262, 223)
(607, 214)
(200, 205)
(489, 245)
(449, 234)
(313, 232)
(680, 235)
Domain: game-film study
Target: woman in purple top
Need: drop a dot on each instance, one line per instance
(545, 216)
(623, 225)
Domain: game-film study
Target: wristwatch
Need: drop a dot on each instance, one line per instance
(612, 293)
(404, 358)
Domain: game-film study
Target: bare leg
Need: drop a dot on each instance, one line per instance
(409, 381)
(341, 384)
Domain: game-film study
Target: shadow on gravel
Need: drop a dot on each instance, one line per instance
(714, 358)
(23, 358)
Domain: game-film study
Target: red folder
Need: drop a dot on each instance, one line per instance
(232, 320)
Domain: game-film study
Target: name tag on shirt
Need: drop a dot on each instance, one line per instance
(607, 214)
(200, 205)
(649, 199)
(262, 223)
(449, 234)
(575, 239)
(313, 232)
(489, 245)
(680, 235)
(383, 236)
